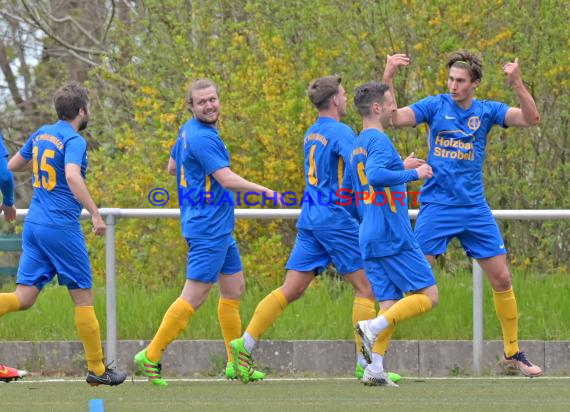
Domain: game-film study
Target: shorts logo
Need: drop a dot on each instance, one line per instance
(474, 122)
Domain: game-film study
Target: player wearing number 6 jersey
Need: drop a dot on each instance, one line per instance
(53, 243)
(327, 231)
(392, 258)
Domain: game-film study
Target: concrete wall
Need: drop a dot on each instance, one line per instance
(310, 358)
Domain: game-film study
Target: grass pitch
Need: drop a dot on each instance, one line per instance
(454, 394)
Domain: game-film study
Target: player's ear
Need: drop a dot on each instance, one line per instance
(335, 99)
(476, 83)
(376, 108)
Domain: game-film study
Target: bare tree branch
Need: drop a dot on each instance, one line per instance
(83, 59)
(32, 13)
(9, 75)
(75, 23)
(106, 31)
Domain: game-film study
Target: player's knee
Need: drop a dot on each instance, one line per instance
(25, 299)
(502, 280)
(434, 300)
(292, 294)
(26, 302)
(363, 290)
(433, 294)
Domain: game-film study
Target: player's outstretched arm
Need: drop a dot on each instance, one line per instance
(527, 115)
(234, 182)
(405, 116)
(79, 189)
(18, 164)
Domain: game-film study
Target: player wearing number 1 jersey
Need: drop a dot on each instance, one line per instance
(53, 243)
(326, 230)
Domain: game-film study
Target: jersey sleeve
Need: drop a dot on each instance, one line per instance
(6, 183)
(499, 113)
(75, 149)
(211, 155)
(344, 147)
(174, 150)
(3, 151)
(378, 165)
(425, 109)
(26, 150)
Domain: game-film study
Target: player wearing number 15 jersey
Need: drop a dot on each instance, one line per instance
(327, 231)
(53, 243)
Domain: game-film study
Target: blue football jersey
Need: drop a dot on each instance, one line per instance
(379, 177)
(456, 140)
(6, 178)
(50, 148)
(3, 151)
(206, 207)
(327, 147)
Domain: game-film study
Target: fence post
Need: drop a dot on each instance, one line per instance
(110, 280)
(477, 318)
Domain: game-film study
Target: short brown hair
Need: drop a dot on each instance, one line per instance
(466, 60)
(200, 84)
(322, 89)
(368, 93)
(69, 99)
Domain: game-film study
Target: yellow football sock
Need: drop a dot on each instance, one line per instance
(506, 308)
(269, 309)
(408, 307)
(88, 330)
(230, 322)
(9, 302)
(173, 323)
(383, 339)
(362, 309)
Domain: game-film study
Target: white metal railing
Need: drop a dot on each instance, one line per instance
(111, 216)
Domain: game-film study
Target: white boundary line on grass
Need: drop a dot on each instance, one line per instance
(407, 378)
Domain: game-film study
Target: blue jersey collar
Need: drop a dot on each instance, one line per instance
(202, 124)
(66, 124)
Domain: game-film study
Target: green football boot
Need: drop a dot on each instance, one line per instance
(231, 373)
(243, 363)
(149, 369)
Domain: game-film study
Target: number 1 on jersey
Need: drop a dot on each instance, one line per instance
(312, 175)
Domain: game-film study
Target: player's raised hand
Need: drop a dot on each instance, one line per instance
(424, 171)
(393, 63)
(99, 225)
(412, 162)
(512, 71)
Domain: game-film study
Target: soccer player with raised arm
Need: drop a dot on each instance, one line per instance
(326, 230)
(53, 243)
(205, 181)
(392, 258)
(452, 202)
